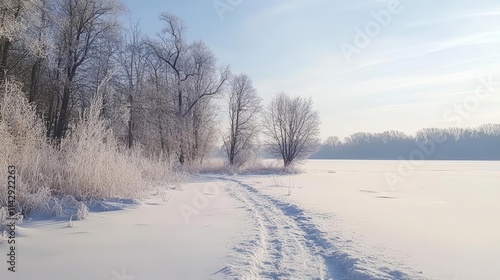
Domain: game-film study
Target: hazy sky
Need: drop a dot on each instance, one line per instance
(368, 65)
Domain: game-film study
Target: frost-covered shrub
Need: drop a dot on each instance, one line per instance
(68, 206)
(89, 163)
(23, 145)
(92, 163)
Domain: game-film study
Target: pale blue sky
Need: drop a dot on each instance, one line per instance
(424, 60)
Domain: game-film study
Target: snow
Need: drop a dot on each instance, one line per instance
(333, 220)
(440, 222)
(147, 241)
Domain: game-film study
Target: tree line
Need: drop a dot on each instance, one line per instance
(480, 143)
(159, 93)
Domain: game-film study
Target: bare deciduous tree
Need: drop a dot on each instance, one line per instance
(15, 18)
(244, 107)
(133, 60)
(292, 127)
(37, 42)
(192, 79)
(82, 23)
(332, 141)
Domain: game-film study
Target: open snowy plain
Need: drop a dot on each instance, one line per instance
(393, 219)
(332, 220)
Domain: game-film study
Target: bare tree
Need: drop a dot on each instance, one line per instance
(133, 61)
(192, 79)
(332, 141)
(202, 88)
(82, 23)
(15, 18)
(244, 107)
(292, 126)
(37, 42)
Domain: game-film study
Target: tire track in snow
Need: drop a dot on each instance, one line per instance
(281, 248)
(288, 245)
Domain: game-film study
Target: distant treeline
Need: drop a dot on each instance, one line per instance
(481, 143)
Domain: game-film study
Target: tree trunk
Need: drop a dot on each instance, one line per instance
(63, 114)
(130, 135)
(34, 80)
(5, 49)
(3, 60)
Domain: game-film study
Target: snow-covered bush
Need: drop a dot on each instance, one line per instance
(69, 207)
(23, 145)
(88, 164)
(92, 163)
(252, 166)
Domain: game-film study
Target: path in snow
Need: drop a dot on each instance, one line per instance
(288, 245)
(283, 248)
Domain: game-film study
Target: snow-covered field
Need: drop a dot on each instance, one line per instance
(333, 220)
(154, 240)
(441, 221)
